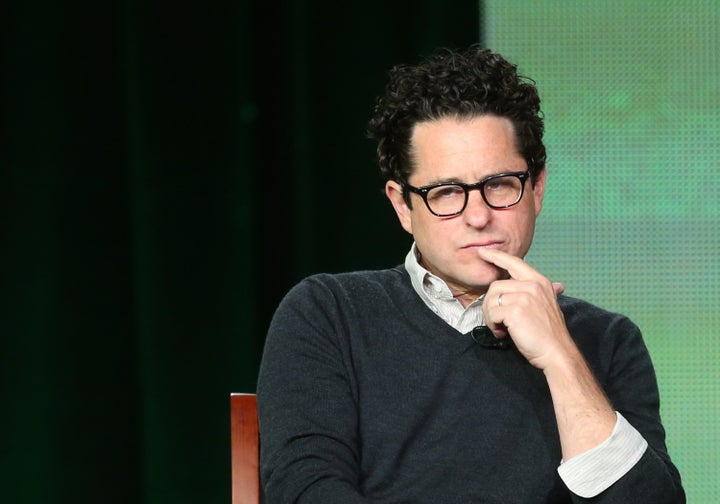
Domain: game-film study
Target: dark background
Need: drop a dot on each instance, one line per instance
(168, 172)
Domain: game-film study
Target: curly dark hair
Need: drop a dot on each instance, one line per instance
(463, 83)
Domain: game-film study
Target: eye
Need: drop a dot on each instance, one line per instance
(446, 192)
(502, 184)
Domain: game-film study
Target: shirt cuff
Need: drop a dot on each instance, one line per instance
(594, 471)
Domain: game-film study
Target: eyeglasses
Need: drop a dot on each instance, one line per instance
(450, 198)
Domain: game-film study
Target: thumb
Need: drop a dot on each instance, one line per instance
(558, 288)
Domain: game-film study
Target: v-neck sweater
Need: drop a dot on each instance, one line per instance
(366, 395)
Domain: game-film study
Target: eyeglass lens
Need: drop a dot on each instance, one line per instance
(497, 192)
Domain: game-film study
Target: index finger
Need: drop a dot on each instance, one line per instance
(515, 266)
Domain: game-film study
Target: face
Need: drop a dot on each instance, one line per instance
(467, 150)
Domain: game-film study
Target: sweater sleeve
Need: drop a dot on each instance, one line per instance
(627, 375)
(306, 403)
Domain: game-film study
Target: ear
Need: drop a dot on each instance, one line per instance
(539, 190)
(394, 192)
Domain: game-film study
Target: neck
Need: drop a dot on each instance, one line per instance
(465, 297)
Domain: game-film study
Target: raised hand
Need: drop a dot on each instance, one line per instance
(525, 307)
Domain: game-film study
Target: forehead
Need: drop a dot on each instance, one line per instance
(472, 148)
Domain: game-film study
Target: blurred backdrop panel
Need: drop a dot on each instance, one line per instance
(168, 171)
(631, 219)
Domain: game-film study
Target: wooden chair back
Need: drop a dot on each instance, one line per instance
(245, 449)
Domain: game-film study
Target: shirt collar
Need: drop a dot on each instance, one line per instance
(436, 294)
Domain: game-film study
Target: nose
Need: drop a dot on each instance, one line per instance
(477, 213)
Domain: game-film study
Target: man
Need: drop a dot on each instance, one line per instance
(463, 375)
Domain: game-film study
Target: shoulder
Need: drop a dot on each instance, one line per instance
(580, 313)
(603, 336)
(356, 288)
(353, 283)
(326, 304)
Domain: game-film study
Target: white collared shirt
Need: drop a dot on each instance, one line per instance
(437, 296)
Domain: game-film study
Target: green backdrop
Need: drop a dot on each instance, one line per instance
(632, 212)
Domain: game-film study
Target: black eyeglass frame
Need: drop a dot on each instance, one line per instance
(424, 190)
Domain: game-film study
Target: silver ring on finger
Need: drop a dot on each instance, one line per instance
(500, 300)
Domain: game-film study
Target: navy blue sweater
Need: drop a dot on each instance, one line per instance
(365, 395)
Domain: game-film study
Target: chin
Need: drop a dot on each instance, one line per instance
(487, 275)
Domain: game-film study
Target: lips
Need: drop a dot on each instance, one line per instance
(486, 244)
